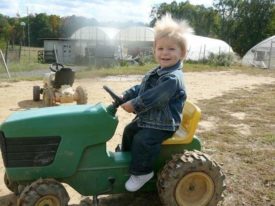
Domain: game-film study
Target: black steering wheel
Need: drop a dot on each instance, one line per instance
(55, 67)
(117, 100)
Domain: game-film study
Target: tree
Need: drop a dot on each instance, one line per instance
(271, 26)
(205, 21)
(72, 23)
(55, 22)
(245, 22)
(227, 10)
(39, 28)
(3, 30)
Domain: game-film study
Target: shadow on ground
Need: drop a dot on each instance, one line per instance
(133, 199)
(26, 104)
(8, 200)
(129, 199)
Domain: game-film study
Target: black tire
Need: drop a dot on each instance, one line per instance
(44, 192)
(48, 98)
(189, 179)
(81, 95)
(12, 186)
(36, 93)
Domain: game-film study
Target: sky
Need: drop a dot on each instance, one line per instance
(101, 10)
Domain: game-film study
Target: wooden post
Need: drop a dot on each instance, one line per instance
(55, 54)
(6, 67)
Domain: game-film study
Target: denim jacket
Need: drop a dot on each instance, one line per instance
(158, 101)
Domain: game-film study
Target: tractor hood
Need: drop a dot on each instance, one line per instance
(69, 120)
(49, 142)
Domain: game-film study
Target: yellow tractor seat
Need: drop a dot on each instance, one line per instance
(190, 118)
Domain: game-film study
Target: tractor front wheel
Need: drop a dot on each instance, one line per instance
(36, 93)
(44, 192)
(48, 97)
(81, 95)
(12, 186)
(191, 179)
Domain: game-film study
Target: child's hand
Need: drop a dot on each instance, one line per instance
(128, 107)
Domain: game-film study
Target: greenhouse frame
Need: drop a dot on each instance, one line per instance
(261, 55)
(104, 46)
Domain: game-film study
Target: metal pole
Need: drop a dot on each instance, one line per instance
(55, 54)
(270, 55)
(6, 67)
(29, 34)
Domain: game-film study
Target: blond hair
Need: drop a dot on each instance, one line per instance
(167, 27)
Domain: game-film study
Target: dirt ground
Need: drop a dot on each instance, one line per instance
(17, 96)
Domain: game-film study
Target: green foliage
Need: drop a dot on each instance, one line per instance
(41, 24)
(223, 59)
(123, 63)
(269, 139)
(245, 23)
(205, 21)
(241, 23)
(72, 23)
(3, 26)
(2, 43)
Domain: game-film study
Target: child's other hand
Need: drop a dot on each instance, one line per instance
(128, 107)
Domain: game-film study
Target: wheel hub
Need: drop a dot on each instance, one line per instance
(194, 189)
(48, 201)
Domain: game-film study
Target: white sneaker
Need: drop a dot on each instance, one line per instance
(135, 182)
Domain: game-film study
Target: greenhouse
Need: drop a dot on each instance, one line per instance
(135, 41)
(104, 46)
(95, 45)
(261, 55)
(200, 47)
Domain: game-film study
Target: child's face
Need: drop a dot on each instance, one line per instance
(167, 52)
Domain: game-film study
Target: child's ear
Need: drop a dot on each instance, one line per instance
(183, 54)
(154, 50)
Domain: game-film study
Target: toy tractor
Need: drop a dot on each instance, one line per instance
(57, 87)
(45, 147)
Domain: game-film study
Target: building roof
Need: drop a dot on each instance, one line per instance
(94, 33)
(136, 33)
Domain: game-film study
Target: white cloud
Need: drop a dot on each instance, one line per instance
(102, 10)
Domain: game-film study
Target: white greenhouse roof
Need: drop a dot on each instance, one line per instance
(266, 46)
(94, 33)
(136, 33)
(200, 47)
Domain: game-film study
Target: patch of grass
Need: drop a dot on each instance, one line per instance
(140, 70)
(19, 67)
(269, 139)
(90, 72)
(29, 62)
(248, 160)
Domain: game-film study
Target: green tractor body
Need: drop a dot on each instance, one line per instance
(68, 143)
(44, 147)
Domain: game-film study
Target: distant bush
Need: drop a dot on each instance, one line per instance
(222, 59)
(123, 63)
(2, 44)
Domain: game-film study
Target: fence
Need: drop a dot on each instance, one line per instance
(17, 54)
(271, 60)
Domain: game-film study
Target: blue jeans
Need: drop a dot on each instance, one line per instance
(144, 144)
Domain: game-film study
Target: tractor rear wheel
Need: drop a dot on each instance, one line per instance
(48, 97)
(44, 192)
(12, 186)
(191, 179)
(81, 95)
(36, 93)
